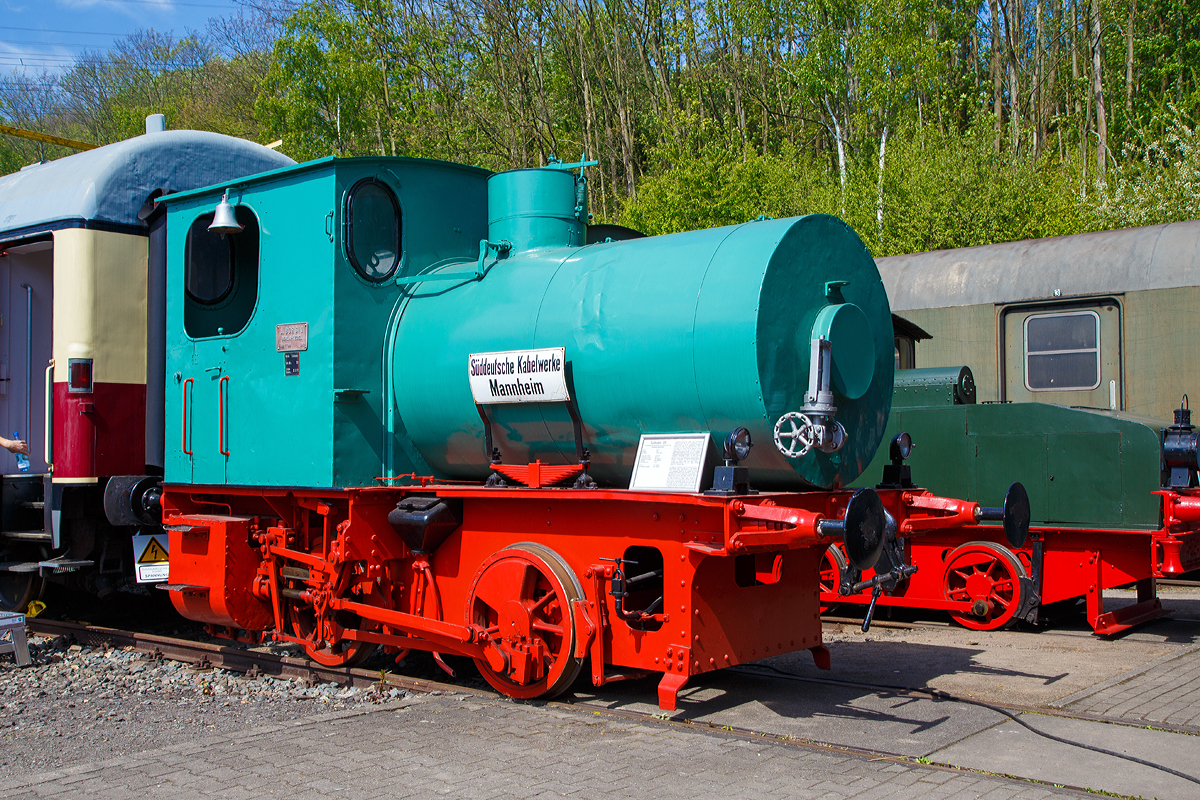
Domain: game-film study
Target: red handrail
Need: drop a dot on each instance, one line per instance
(185, 418)
(221, 415)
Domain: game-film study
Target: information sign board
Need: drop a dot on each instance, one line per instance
(670, 462)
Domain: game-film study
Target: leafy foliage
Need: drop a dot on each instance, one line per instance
(924, 123)
(1159, 181)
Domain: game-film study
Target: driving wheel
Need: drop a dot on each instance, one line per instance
(989, 577)
(522, 596)
(345, 653)
(833, 567)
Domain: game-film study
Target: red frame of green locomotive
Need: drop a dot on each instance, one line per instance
(958, 568)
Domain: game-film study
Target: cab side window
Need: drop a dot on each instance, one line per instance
(373, 230)
(220, 276)
(208, 263)
(906, 352)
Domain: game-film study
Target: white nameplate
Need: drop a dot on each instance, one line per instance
(670, 462)
(519, 376)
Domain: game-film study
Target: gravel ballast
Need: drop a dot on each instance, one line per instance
(77, 704)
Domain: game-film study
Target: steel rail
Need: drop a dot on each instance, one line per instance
(204, 655)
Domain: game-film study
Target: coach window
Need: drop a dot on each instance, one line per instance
(373, 230)
(1062, 351)
(220, 276)
(906, 352)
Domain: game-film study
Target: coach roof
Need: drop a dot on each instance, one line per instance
(106, 187)
(1105, 262)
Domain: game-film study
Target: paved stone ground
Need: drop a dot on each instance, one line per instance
(484, 748)
(1166, 691)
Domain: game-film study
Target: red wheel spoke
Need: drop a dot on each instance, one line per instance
(545, 599)
(546, 627)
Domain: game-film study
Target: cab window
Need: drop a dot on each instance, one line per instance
(208, 263)
(906, 352)
(373, 230)
(220, 276)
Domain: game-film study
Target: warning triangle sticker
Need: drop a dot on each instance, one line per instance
(154, 553)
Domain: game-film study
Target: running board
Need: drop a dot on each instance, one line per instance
(27, 536)
(50, 567)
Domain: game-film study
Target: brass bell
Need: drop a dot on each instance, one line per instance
(224, 220)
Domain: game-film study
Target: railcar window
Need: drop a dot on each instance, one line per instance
(373, 230)
(906, 352)
(208, 263)
(1062, 351)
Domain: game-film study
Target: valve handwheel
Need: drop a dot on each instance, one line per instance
(797, 435)
(522, 596)
(989, 576)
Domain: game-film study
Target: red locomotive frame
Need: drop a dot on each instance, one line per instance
(530, 584)
(972, 570)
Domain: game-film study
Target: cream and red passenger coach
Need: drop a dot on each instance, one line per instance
(81, 305)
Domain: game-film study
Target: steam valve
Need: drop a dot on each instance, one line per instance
(813, 426)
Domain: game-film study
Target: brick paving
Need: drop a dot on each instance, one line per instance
(1166, 692)
(474, 747)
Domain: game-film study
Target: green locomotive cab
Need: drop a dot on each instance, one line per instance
(276, 313)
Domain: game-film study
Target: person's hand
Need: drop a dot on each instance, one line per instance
(15, 445)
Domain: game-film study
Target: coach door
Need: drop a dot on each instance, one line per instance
(1068, 354)
(26, 326)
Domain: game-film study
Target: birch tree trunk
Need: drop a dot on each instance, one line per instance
(879, 191)
(1098, 90)
(1129, 58)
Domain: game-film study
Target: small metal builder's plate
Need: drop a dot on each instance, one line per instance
(292, 336)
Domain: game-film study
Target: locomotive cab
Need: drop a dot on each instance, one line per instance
(277, 317)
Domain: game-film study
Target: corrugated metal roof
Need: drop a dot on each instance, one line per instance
(109, 184)
(1105, 262)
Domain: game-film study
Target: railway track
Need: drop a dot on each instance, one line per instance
(205, 655)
